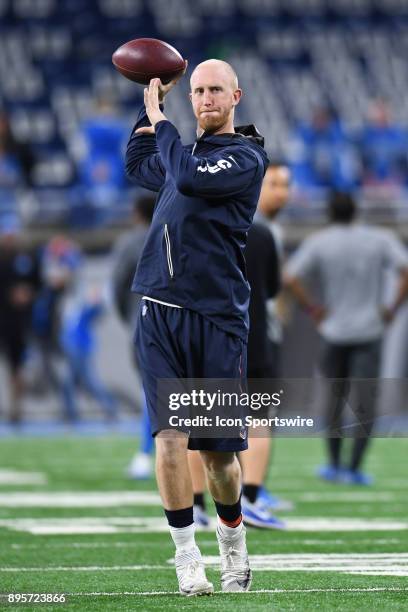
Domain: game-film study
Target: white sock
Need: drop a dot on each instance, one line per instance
(183, 537)
(229, 532)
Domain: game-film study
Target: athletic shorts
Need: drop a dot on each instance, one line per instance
(180, 343)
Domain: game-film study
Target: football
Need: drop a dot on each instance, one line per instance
(143, 59)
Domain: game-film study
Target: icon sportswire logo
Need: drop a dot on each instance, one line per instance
(222, 164)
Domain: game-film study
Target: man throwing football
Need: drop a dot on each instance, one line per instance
(193, 318)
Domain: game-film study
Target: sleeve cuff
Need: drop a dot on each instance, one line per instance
(164, 124)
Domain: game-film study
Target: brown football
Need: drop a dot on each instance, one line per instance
(143, 59)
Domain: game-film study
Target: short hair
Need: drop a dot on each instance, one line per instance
(144, 206)
(223, 64)
(342, 207)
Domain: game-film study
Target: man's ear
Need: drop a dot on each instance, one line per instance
(190, 95)
(237, 96)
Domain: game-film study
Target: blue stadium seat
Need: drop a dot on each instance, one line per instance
(292, 56)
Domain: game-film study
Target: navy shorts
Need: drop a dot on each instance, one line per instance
(180, 343)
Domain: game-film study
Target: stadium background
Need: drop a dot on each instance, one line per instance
(295, 59)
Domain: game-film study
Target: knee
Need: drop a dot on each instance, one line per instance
(171, 449)
(219, 465)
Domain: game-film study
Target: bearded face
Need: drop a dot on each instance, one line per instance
(211, 120)
(214, 98)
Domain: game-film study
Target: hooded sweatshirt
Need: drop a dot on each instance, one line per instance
(194, 252)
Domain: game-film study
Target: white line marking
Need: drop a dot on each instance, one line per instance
(79, 499)
(93, 525)
(387, 564)
(14, 477)
(206, 543)
(86, 568)
(83, 545)
(394, 572)
(284, 483)
(254, 592)
(344, 524)
(348, 496)
(87, 525)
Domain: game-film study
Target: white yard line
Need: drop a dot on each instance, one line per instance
(204, 543)
(350, 496)
(105, 525)
(78, 499)
(392, 572)
(107, 499)
(87, 525)
(254, 592)
(82, 545)
(344, 524)
(16, 477)
(284, 483)
(386, 564)
(85, 568)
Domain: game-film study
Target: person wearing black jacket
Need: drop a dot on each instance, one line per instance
(193, 321)
(264, 277)
(265, 337)
(20, 281)
(264, 255)
(263, 269)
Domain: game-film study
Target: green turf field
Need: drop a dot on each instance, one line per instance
(70, 522)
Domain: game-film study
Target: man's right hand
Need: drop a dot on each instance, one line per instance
(162, 91)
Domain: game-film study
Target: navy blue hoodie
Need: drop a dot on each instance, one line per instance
(194, 252)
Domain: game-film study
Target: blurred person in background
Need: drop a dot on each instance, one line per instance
(266, 331)
(263, 275)
(20, 281)
(60, 261)
(100, 147)
(16, 164)
(322, 155)
(126, 256)
(383, 147)
(79, 343)
(348, 261)
(274, 197)
(16, 158)
(263, 255)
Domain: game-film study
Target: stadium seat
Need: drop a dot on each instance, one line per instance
(292, 55)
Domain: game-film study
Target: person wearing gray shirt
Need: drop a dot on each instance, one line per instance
(346, 265)
(126, 256)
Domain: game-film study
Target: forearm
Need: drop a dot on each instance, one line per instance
(143, 165)
(316, 311)
(177, 161)
(402, 291)
(143, 159)
(299, 292)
